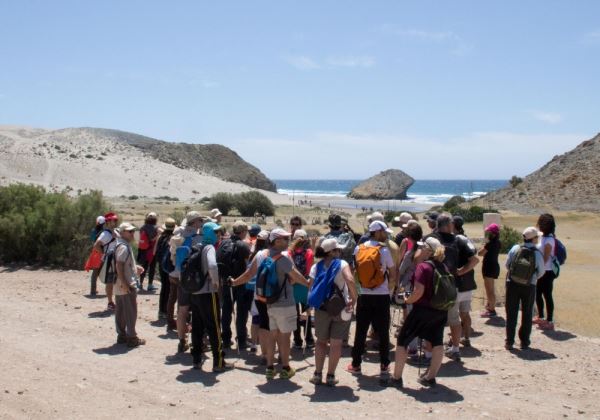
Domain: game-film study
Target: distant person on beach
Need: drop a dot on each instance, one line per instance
(547, 245)
(105, 240)
(126, 296)
(490, 269)
(374, 267)
(161, 252)
(525, 264)
(148, 236)
(94, 234)
(331, 326)
(423, 321)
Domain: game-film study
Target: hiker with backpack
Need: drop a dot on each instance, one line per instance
(259, 331)
(125, 290)
(232, 257)
(182, 241)
(146, 247)
(525, 264)
(200, 278)
(548, 246)
(432, 294)
(490, 268)
(333, 295)
(161, 252)
(105, 243)
(460, 258)
(275, 276)
(94, 234)
(303, 257)
(376, 272)
(344, 238)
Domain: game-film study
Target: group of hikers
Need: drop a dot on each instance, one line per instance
(303, 291)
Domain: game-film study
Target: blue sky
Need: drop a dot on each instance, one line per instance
(316, 89)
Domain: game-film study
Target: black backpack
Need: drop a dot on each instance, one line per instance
(193, 276)
(300, 261)
(227, 259)
(522, 267)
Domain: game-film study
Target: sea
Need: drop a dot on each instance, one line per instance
(423, 193)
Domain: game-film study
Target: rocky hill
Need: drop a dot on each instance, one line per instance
(568, 182)
(387, 185)
(121, 163)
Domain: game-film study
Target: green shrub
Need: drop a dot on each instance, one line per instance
(48, 228)
(222, 201)
(453, 202)
(178, 215)
(508, 238)
(167, 198)
(133, 197)
(515, 180)
(470, 215)
(251, 202)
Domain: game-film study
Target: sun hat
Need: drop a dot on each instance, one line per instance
(300, 233)
(335, 220)
(493, 228)
(125, 226)
(170, 224)
(379, 225)
(530, 233)
(100, 220)
(192, 216)
(278, 233)
(405, 217)
(432, 243)
(214, 213)
(409, 222)
(330, 244)
(377, 216)
(152, 215)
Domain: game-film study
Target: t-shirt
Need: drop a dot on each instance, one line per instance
(490, 259)
(542, 245)
(339, 280)
(399, 238)
(105, 237)
(387, 264)
(424, 275)
(458, 251)
(284, 266)
(465, 282)
(124, 254)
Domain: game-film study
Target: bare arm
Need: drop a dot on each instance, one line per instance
(473, 261)
(547, 252)
(417, 293)
(482, 252)
(349, 279)
(297, 277)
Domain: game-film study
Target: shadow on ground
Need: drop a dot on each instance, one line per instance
(326, 394)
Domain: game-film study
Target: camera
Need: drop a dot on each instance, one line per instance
(399, 299)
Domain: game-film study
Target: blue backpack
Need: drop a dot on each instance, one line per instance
(268, 289)
(322, 288)
(183, 252)
(560, 252)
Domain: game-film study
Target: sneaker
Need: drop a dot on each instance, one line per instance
(465, 342)
(224, 367)
(151, 288)
(488, 314)
(270, 373)
(135, 342)
(252, 348)
(121, 340)
(453, 355)
(509, 346)
(428, 383)
(111, 306)
(395, 383)
(537, 320)
(298, 345)
(183, 346)
(355, 370)
(331, 381)
(546, 326)
(287, 373)
(524, 346)
(317, 378)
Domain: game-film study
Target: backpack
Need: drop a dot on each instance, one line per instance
(323, 288)
(166, 264)
(522, 267)
(193, 277)
(345, 239)
(108, 269)
(183, 251)
(227, 258)
(299, 259)
(268, 289)
(368, 266)
(444, 293)
(560, 252)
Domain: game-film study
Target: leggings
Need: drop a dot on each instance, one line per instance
(544, 293)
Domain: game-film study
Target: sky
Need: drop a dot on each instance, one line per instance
(316, 89)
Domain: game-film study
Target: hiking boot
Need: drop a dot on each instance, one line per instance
(222, 368)
(171, 325)
(317, 378)
(135, 342)
(453, 355)
(509, 346)
(183, 346)
(488, 314)
(465, 342)
(287, 373)
(121, 339)
(395, 383)
(546, 326)
(330, 380)
(151, 288)
(355, 370)
(524, 346)
(270, 372)
(428, 383)
(111, 306)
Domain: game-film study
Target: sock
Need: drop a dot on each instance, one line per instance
(454, 349)
(428, 354)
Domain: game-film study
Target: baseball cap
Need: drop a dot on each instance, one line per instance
(410, 222)
(170, 224)
(100, 220)
(330, 244)
(379, 225)
(377, 216)
(192, 216)
(493, 228)
(458, 221)
(278, 233)
(254, 229)
(110, 216)
(300, 233)
(239, 226)
(126, 227)
(263, 234)
(431, 243)
(432, 216)
(214, 213)
(530, 233)
(405, 217)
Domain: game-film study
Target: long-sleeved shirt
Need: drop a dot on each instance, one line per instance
(211, 270)
(539, 262)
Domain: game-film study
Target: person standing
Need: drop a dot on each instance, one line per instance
(547, 245)
(525, 265)
(125, 293)
(94, 234)
(303, 257)
(146, 247)
(106, 240)
(162, 252)
(490, 268)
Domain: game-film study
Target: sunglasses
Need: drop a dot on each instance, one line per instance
(295, 224)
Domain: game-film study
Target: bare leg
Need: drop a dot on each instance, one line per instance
(320, 353)
(254, 334)
(465, 318)
(109, 292)
(182, 315)
(437, 355)
(264, 338)
(284, 344)
(400, 360)
(490, 293)
(335, 352)
(271, 347)
(455, 331)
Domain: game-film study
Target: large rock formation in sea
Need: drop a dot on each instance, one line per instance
(568, 182)
(387, 185)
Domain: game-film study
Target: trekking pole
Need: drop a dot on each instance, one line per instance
(307, 312)
(234, 316)
(420, 354)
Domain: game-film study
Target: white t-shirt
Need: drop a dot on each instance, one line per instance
(387, 264)
(542, 245)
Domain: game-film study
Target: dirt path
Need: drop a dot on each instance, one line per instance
(58, 360)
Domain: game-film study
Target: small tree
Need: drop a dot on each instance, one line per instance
(515, 180)
(508, 238)
(251, 202)
(222, 201)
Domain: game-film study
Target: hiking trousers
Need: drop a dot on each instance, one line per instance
(173, 292)
(372, 310)
(544, 287)
(242, 299)
(165, 289)
(518, 295)
(126, 314)
(205, 320)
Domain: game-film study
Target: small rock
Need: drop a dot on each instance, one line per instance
(580, 412)
(568, 407)
(507, 393)
(77, 307)
(20, 392)
(172, 404)
(572, 371)
(133, 381)
(6, 391)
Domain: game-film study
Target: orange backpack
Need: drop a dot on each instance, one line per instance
(368, 266)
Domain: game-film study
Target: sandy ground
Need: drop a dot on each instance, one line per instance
(59, 359)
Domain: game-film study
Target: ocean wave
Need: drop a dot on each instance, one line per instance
(412, 197)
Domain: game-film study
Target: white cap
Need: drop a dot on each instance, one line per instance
(278, 233)
(432, 243)
(330, 244)
(409, 222)
(100, 220)
(531, 233)
(379, 225)
(263, 234)
(300, 233)
(405, 217)
(214, 213)
(192, 216)
(126, 227)
(377, 216)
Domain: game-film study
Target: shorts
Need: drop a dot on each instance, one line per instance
(282, 318)
(330, 327)
(183, 297)
(263, 315)
(463, 304)
(423, 322)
